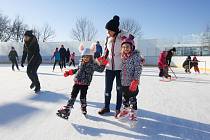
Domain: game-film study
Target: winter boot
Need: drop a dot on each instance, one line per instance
(116, 113)
(103, 111)
(32, 86)
(37, 89)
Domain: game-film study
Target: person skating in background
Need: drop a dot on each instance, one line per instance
(57, 57)
(82, 80)
(32, 52)
(62, 51)
(187, 65)
(113, 68)
(130, 78)
(163, 65)
(195, 64)
(68, 55)
(13, 57)
(72, 59)
(170, 53)
(99, 50)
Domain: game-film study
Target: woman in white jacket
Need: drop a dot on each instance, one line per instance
(113, 68)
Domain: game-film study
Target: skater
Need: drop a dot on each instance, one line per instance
(67, 56)
(170, 53)
(187, 65)
(31, 51)
(62, 52)
(82, 80)
(130, 78)
(72, 59)
(113, 68)
(57, 57)
(13, 57)
(195, 64)
(99, 50)
(163, 66)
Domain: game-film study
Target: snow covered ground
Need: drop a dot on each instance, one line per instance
(167, 110)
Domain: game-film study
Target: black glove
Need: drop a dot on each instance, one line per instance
(22, 65)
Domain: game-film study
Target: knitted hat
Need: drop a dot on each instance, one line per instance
(29, 33)
(173, 49)
(87, 51)
(129, 39)
(113, 24)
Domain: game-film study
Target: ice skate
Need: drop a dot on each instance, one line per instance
(64, 112)
(123, 115)
(133, 118)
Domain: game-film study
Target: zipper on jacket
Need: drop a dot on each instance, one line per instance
(113, 63)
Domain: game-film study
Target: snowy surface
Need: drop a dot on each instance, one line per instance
(167, 110)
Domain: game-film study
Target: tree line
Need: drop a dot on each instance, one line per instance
(84, 29)
(13, 30)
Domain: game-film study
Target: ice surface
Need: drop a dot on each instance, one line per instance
(167, 110)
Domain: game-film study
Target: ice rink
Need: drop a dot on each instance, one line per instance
(176, 110)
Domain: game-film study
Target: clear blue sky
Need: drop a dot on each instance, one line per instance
(158, 18)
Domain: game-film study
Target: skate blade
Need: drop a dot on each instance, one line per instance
(123, 119)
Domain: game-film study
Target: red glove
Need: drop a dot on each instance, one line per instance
(66, 74)
(102, 60)
(70, 72)
(134, 85)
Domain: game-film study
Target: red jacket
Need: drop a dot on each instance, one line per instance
(162, 59)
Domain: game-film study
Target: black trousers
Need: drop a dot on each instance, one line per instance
(83, 93)
(14, 63)
(32, 70)
(164, 72)
(63, 62)
(72, 62)
(56, 61)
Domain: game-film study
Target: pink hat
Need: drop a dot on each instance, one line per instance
(129, 39)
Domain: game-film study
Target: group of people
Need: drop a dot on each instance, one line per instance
(189, 63)
(62, 57)
(164, 62)
(120, 59)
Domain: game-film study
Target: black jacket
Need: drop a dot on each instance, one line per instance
(62, 51)
(31, 51)
(169, 55)
(13, 55)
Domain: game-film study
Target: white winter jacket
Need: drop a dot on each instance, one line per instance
(114, 48)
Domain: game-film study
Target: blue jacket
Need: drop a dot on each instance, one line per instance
(57, 56)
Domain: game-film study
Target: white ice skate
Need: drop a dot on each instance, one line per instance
(133, 118)
(124, 114)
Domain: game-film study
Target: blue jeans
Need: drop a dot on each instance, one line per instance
(109, 79)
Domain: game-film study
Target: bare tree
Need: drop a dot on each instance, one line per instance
(5, 30)
(48, 33)
(84, 30)
(131, 26)
(18, 29)
(37, 32)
